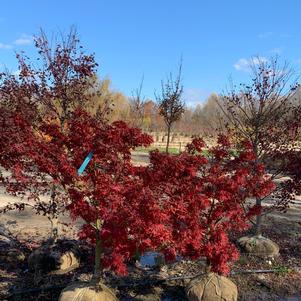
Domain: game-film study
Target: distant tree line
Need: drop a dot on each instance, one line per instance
(204, 119)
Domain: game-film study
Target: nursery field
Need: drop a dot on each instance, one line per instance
(214, 214)
(257, 279)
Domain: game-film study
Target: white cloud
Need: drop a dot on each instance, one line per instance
(285, 35)
(276, 50)
(194, 96)
(5, 46)
(244, 64)
(269, 34)
(265, 35)
(24, 40)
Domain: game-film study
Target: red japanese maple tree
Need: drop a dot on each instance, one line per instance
(262, 111)
(119, 217)
(47, 90)
(35, 164)
(182, 204)
(206, 198)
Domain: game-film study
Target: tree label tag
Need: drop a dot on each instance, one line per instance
(85, 163)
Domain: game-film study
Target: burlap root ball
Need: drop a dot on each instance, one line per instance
(60, 258)
(83, 291)
(259, 246)
(211, 287)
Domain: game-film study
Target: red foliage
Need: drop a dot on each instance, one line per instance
(45, 93)
(35, 163)
(182, 204)
(204, 199)
(109, 189)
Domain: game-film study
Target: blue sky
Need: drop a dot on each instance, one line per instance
(135, 38)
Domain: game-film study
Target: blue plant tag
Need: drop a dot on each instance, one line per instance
(85, 163)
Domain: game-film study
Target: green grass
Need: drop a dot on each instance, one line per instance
(172, 150)
(282, 270)
(175, 150)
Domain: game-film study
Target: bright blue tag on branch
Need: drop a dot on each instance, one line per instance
(85, 163)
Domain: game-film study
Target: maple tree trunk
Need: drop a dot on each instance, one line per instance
(258, 200)
(97, 265)
(208, 267)
(258, 219)
(168, 138)
(53, 220)
(54, 228)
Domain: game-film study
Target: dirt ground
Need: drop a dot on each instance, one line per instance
(27, 231)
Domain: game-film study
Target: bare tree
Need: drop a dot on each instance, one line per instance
(170, 103)
(137, 104)
(261, 112)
